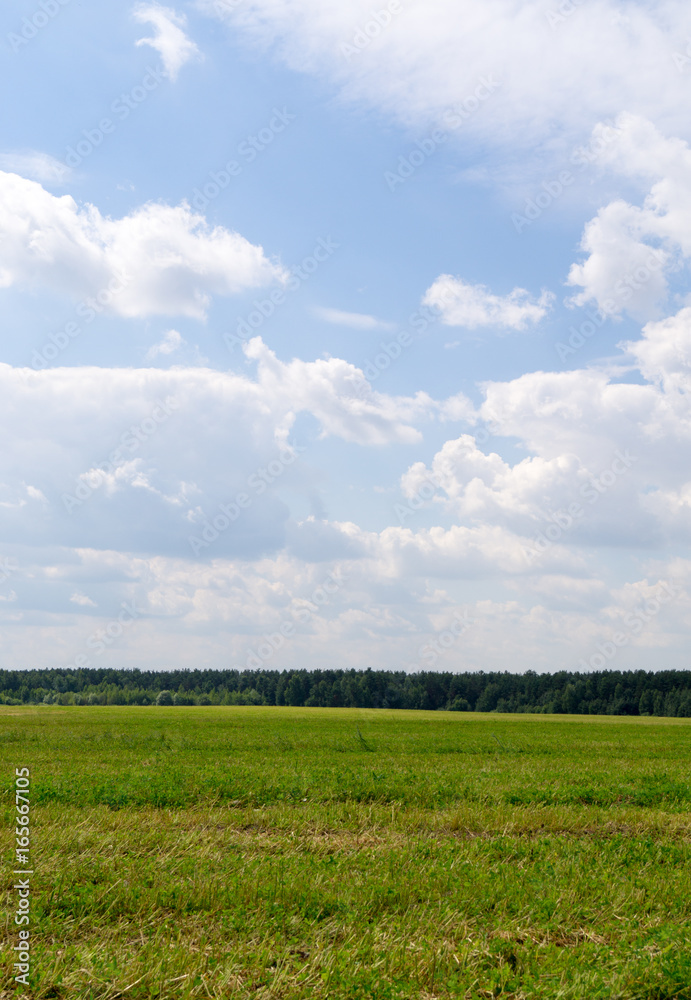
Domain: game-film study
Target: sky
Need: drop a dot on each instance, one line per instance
(345, 335)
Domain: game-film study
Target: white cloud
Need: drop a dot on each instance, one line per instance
(556, 78)
(358, 321)
(459, 552)
(36, 494)
(38, 166)
(158, 260)
(169, 40)
(632, 250)
(146, 454)
(622, 272)
(583, 414)
(663, 354)
(573, 425)
(219, 611)
(336, 393)
(130, 538)
(72, 426)
(471, 306)
(82, 600)
(170, 342)
(523, 499)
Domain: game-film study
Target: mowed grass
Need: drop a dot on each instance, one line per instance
(295, 853)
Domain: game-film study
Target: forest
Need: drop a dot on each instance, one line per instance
(660, 693)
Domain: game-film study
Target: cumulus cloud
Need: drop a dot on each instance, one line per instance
(632, 249)
(558, 72)
(471, 306)
(622, 272)
(358, 321)
(399, 581)
(158, 260)
(577, 412)
(139, 458)
(169, 40)
(586, 415)
(533, 494)
(616, 452)
(170, 342)
(115, 452)
(149, 478)
(458, 552)
(82, 600)
(344, 403)
(663, 354)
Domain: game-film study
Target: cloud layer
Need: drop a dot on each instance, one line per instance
(138, 458)
(607, 465)
(561, 67)
(548, 511)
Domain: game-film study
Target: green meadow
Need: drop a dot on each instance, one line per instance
(317, 853)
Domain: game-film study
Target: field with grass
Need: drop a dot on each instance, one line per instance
(307, 853)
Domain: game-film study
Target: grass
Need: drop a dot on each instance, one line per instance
(309, 853)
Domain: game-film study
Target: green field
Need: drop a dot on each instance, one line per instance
(295, 853)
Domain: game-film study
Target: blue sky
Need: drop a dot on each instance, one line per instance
(426, 261)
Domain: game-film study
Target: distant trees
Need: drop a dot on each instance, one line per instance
(665, 693)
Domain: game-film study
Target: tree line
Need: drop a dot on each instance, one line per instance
(662, 693)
